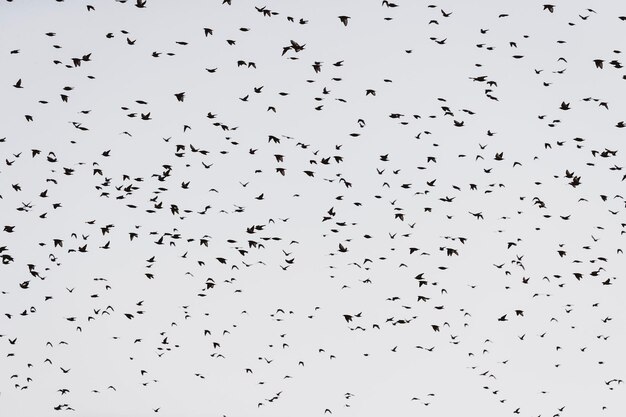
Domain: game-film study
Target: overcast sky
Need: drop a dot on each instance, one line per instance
(254, 209)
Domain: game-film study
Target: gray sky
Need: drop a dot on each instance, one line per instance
(238, 303)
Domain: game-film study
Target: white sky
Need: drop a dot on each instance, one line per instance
(562, 352)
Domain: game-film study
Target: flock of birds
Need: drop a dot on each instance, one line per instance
(231, 208)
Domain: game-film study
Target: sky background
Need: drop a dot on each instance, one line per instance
(268, 244)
